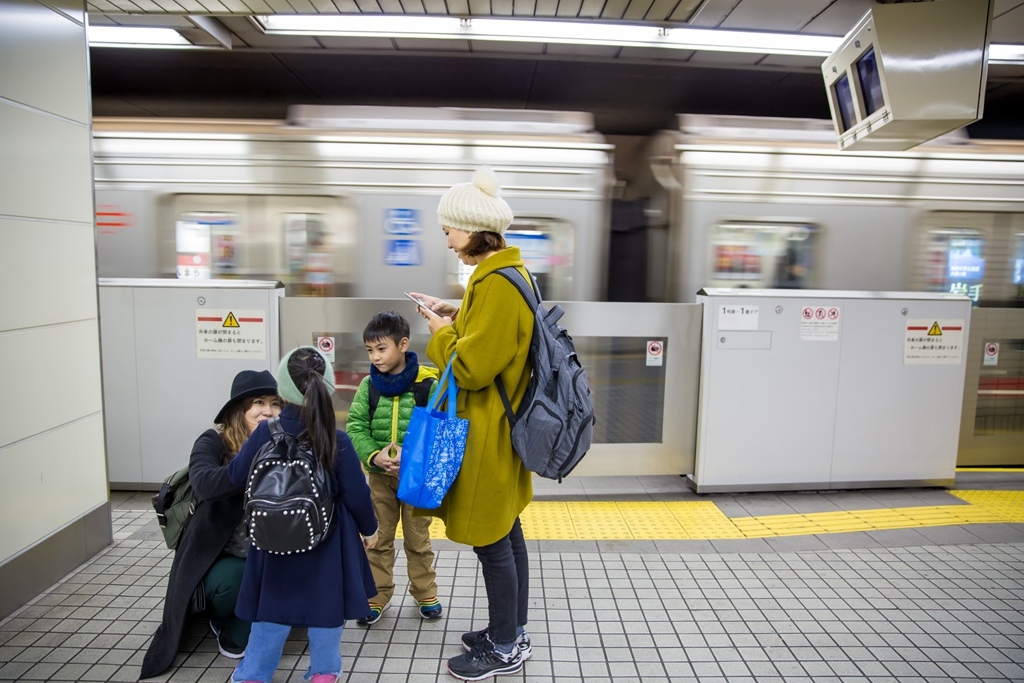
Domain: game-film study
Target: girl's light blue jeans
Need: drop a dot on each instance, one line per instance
(266, 642)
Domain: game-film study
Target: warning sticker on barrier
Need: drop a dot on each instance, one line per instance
(933, 342)
(231, 334)
(819, 323)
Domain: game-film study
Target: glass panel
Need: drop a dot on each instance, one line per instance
(870, 82)
(844, 101)
(955, 262)
(762, 255)
(310, 255)
(1017, 266)
(1001, 389)
(629, 395)
(193, 234)
(547, 246)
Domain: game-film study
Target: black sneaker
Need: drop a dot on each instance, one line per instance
(473, 637)
(484, 661)
(374, 616)
(225, 645)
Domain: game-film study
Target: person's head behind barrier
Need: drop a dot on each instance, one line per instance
(306, 378)
(247, 384)
(386, 324)
(253, 399)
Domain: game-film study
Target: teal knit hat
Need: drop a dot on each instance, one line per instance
(286, 385)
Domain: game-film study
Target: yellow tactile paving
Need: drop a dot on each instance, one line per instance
(681, 520)
(1009, 505)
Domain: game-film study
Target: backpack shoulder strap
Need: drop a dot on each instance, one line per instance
(421, 390)
(274, 425)
(531, 294)
(532, 297)
(373, 398)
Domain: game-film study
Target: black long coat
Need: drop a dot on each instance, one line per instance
(217, 514)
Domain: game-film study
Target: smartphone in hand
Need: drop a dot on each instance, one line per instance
(419, 303)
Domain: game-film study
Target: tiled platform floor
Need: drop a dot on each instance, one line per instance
(935, 604)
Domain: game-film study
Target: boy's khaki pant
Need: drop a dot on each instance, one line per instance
(416, 535)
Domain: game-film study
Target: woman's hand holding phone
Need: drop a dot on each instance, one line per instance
(437, 312)
(433, 304)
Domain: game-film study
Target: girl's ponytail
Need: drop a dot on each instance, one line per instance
(312, 380)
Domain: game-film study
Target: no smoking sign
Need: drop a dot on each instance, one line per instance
(326, 346)
(991, 354)
(655, 353)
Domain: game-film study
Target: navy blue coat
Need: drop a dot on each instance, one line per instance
(324, 586)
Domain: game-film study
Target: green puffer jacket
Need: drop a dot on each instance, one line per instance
(387, 426)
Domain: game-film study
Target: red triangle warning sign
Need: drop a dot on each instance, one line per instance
(232, 321)
(935, 330)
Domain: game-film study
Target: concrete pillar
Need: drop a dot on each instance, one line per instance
(54, 502)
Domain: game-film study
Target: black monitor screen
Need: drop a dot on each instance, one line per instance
(870, 82)
(844, 99)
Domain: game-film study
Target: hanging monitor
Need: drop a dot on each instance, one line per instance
(909, 72)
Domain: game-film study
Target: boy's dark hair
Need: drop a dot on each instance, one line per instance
(386, 324)
(484, 242)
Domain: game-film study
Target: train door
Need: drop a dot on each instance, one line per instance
(546, 245)
(762, 254)
(306, 242)
(979, 254)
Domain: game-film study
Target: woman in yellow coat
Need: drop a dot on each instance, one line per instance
(490, 335)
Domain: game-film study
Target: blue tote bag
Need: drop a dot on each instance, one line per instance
(433, 448)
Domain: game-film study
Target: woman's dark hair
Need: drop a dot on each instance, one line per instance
(483, 243)
(386, 324)
(306, 368)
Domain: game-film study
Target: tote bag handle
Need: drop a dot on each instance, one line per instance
(451, 391)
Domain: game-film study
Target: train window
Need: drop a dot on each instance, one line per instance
(205, 242)
(546, 245)
(306, 242)
(1017, 266)
(762, 255)
(1000, 408)
(955, 261)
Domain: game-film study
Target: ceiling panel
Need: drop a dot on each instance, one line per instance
(711, 14)
(838, 18)
(791, 15)
(1009, 25)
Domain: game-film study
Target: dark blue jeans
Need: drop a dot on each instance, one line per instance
(506, 571)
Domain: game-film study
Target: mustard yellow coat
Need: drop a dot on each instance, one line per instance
(491, 335)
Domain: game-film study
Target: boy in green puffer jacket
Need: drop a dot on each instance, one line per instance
(377, 422)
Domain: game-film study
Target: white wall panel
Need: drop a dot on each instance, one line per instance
(55, 271)
(52, 377)
(47, 169)
(41, 62)
(50, 481)
(73, 8)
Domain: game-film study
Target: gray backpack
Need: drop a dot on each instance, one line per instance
(554, 425)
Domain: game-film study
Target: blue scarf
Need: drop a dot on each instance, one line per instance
(396, 385)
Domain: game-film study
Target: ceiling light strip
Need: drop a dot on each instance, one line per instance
(563, 32)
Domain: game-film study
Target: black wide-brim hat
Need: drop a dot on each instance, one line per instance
(247, 384)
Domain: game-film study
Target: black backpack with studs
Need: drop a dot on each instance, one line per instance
(289, 507)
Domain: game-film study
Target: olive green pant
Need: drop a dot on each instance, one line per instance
(221, 585)
(416, 536)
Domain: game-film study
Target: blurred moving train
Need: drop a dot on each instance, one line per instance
(340, 201)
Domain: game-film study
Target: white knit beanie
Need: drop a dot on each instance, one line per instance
(475, 206)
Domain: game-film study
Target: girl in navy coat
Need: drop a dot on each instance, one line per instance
(321, 588)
